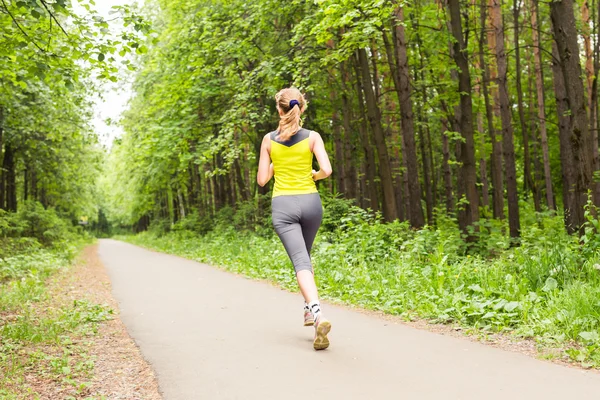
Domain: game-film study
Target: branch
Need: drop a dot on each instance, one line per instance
(20, 28)
(53, 17)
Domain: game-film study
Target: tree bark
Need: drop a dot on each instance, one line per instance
(541, 112)
(496, 158)
(591, 96)
(374, 116)
(370, 191)
(349, 148)
(565, 36)
(485, 195)
(469, 212)
(338, 146)
(404, 91)
(530, 183)
(9, 170)
(514, 222)
(446, 167)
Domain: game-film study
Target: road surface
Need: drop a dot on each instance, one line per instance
(213, 335)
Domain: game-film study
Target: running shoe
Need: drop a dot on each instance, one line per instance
(309, 320)
(322, 328)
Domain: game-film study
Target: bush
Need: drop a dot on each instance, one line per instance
(31, 225)
(194, 223)
(160, 226)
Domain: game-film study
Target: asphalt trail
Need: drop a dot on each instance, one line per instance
(214, 335)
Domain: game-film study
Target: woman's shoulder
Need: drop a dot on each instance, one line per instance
(313, 135)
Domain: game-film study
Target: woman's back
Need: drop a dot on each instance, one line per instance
(292, 164)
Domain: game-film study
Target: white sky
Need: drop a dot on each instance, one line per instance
(115, 96)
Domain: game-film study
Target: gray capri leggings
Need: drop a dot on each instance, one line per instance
(297, 219)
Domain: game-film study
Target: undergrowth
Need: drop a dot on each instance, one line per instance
(38, 332)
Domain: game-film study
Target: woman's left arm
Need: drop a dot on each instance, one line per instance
(265, 167)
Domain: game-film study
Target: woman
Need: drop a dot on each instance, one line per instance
(296, 205)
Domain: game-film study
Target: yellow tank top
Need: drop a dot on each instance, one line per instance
(292, 164)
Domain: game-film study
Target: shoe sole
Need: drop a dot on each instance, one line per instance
(321, 341)
(309, 323)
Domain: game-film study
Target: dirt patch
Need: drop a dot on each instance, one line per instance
(120, 372)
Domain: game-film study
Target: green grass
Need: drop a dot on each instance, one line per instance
(38, 334)
(547, 289)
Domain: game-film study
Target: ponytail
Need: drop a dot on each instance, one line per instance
(292, 103)
(289, 124)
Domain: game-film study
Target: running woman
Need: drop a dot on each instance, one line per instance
(287, 154)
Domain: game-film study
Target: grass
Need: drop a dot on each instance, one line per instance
(547, 289)
(42, 336)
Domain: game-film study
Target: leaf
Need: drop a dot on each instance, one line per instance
(511, 306)
(550, 285)
(35, 14)
(592, 336)
(100, 57)
(476, 288)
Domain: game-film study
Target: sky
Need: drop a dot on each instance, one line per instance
(115, 96)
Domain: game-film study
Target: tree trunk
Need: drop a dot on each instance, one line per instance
(11, 186)
(374, 116)
(243, 188)
(370, 186)
(496, 159)
(485, 194)
(591, 96)
(349, 149)
(446, 168)
(508, 145)
(530, 183)
(181, 203)
(566, 151)
(565, 36)
(541, 114)
(398, 165)
(34, 190)
(338, 147)
(469, 212)
(2, 171)
(25, 183)
(403, 89)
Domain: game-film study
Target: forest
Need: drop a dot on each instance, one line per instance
(477, 110)
(463, 137)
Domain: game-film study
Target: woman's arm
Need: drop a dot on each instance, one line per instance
(265, 167)
(322, 157)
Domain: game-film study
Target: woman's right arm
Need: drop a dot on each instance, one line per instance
(265, 167)
(322, 157)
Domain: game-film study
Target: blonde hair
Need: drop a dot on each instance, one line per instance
(290, 121)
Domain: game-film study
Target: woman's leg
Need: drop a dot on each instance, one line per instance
(297, 229)
(286, 221)
(306, 281)
(311, 215)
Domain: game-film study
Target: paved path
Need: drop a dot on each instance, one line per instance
(213, 335)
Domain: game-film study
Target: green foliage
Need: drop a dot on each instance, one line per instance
(35, 243)
(194, 223)
(33, 227)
